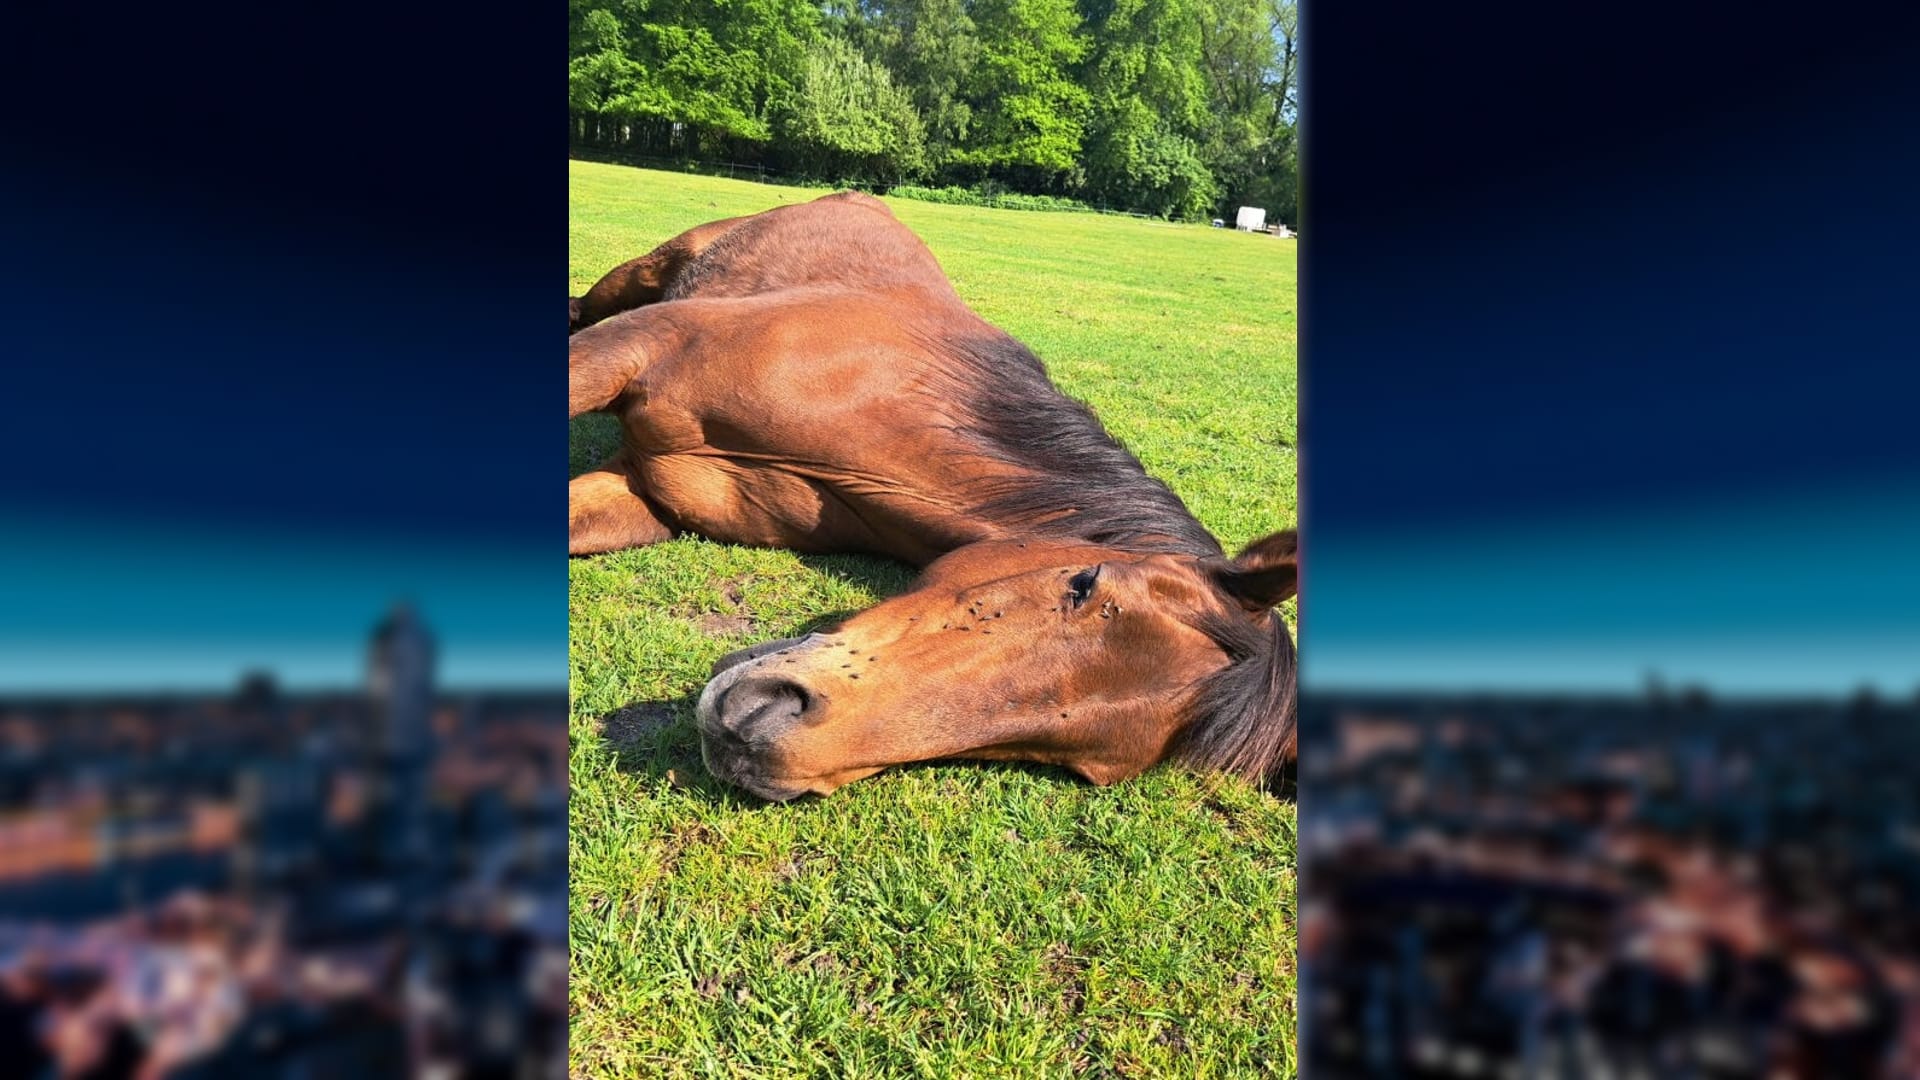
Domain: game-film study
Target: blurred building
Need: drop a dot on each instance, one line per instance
(1552, 886)
(400, 682)
(400, 661)
(265, 883)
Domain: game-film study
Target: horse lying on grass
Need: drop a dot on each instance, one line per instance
(807, 378)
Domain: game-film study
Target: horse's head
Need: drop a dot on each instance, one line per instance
(1096, 659)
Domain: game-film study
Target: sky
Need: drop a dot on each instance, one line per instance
(1797, 592)
(1602, 385)
(248, 404)
(146, 604)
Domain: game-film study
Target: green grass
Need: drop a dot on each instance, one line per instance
(945, 920)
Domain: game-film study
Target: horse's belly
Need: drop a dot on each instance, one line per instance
(723, 500)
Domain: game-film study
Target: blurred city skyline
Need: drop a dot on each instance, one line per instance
(263, 881)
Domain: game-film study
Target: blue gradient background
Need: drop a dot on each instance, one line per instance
(278, 346)
(1609, 351)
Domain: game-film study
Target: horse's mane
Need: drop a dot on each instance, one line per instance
(1074, 481)
(1244, 715)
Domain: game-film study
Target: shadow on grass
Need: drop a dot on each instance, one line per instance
(881, 577)
(591, 439)
(1057, 773)
(657, 739)
(1285, 784)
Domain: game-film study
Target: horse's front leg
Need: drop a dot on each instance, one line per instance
(607, 511)
(645, 280)
(605, 360)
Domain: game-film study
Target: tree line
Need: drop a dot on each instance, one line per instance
(1178, 108)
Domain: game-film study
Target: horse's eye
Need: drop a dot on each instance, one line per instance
(1080, 585)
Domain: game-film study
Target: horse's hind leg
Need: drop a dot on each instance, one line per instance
(606, 511)
(645, 280)
(604, 361)
(618, 366)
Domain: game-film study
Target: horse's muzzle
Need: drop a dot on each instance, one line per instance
(744, 709)
(754, 652)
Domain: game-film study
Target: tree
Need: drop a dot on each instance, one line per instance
(1250, 51)
(1027, 111)
(715, 73)
(1149, 102)
(1177, 107)
(846, 119)
(932, 47)
(599, 71)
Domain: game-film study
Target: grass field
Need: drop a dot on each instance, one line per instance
(944, 920)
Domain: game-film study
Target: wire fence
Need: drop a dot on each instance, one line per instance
(736, 170)
(732, 169)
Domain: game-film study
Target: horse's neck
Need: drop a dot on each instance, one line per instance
(1129, 511)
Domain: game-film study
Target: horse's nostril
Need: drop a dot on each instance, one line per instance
(756, 701)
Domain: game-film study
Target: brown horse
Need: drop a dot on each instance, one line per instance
(807, 378)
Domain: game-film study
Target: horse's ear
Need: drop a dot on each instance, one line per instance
(1266, 573)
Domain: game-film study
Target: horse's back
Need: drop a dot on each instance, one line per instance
(848, 239)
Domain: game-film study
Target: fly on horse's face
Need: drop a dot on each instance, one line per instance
(1092, 658)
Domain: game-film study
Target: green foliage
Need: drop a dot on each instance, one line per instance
(1250, 58)
(959, 196)
(1138, 160)
(1149, 101)
(719, 70)
(1028, 111)
(1178, 108)
(846, 118)
(934, 46)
